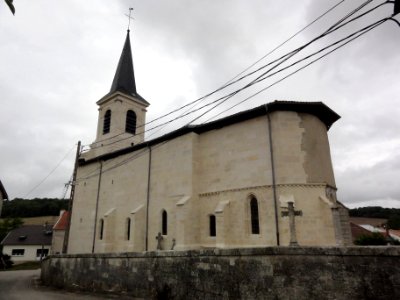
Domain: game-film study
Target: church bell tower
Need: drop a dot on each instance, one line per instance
(122, 112)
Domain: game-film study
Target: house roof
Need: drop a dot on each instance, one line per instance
(3, 191)
(318, 109)
(62, 222)
(29, 235)
(357, 231)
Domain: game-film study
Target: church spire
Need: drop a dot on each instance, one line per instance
(124, 79)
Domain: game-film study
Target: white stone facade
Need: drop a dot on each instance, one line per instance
(211, 170)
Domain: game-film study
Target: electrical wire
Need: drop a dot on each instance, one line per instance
(353, 36)
(231, 81)
(308, 64)
(336, 26)
(330, 30)
(51, 172)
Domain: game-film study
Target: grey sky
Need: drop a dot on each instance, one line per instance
(59, 57)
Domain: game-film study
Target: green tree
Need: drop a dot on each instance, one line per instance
(394, 222)
(7, 225)
(372, 239)
(26, 208)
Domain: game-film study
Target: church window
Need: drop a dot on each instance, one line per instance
(101, 229)
(164, 225)
(107, 122)
(128, 229)
(255, 224)
(213, 226)
(130, 125)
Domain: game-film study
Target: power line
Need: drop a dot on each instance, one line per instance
(315, 60)
(353, 36)
(229, 82)
(330, 30)
(336, 26)
(51, 172)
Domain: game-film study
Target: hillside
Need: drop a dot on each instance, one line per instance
(25, 208)
(391, 214)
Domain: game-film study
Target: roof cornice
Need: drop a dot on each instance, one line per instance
(318, 109)
(135, 98)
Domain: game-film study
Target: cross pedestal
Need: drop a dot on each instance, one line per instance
(291, 213)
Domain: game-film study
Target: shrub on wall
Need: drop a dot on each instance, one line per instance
(373, 239)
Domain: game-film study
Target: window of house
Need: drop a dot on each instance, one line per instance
(42, 253)
(130, 125)
(101, 229)
(164, 229)
(17, 252)
(213, 226)
(107, 122)
(255, 224)
(128, 229)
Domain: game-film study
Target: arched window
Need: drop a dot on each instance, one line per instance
(164, 229)
(213, 226)
(128, 229)
(130, 124)
(107, 122)
(255, 224)
(101, 229)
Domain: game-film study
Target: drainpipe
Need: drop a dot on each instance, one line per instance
(97, 206)
(271, 150)
(148, 201)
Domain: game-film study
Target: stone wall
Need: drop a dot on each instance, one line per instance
(252, 273)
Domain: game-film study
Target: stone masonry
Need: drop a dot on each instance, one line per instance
(252, 273)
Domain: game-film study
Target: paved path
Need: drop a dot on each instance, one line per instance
(20, 285)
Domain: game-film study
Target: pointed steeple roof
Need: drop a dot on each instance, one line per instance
(124, 78)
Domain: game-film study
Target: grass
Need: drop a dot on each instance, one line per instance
(29, 265)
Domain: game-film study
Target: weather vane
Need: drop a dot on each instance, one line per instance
(129, 17)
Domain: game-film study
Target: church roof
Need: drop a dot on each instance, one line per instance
(124, 78)
(318, 109)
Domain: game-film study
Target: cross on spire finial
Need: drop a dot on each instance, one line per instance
(129, 17)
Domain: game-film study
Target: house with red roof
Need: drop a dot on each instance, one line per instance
(59, 232)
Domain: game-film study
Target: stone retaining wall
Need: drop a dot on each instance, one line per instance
(256, 273)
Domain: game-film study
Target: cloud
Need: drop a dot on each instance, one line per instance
(57, 62)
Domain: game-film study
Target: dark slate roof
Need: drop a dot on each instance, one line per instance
(3, 191)
(318, 109)
(29, 235)
(124, 78)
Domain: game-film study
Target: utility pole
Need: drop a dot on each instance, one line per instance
(71, 198)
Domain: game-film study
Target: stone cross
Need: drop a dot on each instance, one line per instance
(291, 213)
(159, 238)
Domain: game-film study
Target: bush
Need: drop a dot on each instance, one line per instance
(5, 261)
(373, 239)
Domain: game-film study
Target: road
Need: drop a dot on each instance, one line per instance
(20, 285)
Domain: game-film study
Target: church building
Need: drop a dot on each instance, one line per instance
(260, 177)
